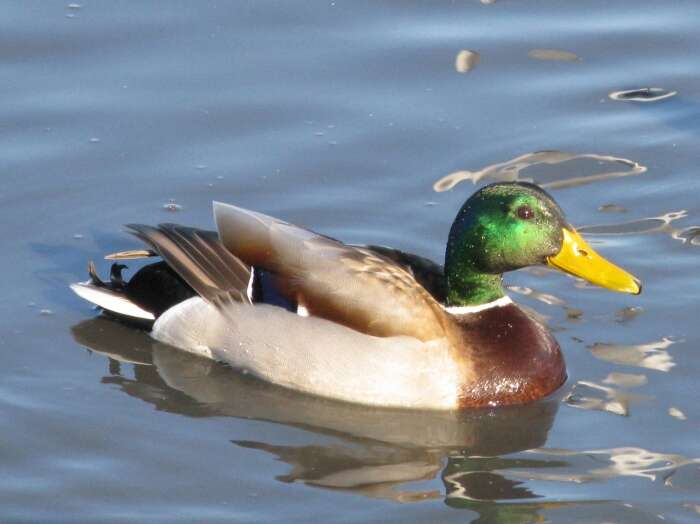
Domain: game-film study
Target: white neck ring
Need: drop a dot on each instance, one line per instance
(465, 310)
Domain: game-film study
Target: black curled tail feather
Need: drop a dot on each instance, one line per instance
(194, 263)
(157, 288)
(201, 260)
(140, 301)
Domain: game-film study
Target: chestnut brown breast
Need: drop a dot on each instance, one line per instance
(512, 358)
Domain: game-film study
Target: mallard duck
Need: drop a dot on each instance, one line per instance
(364, 324)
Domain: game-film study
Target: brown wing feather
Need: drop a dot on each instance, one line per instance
(350, 285)
(427, 273)
(200, 259)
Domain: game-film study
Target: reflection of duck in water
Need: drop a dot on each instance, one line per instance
(364, 324)
(373, 452)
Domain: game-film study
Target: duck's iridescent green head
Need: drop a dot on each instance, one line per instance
(506, 226)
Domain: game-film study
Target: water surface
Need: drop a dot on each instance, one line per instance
(345, 117)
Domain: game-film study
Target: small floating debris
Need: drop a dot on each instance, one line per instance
(553, 55)
(78, 236)
(172, 206)
(628, 313)
(46, 312)
(612, 208)
(73, 6)
(466, 60)
(573, 314)
(645, 94)
(94, 140)
(677, 413)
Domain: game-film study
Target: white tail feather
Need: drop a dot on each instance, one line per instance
(110, 300)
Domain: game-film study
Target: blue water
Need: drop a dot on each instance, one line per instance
(341, 116)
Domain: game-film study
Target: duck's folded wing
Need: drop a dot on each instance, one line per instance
(353, 286)
(200, 259)
(427, 273)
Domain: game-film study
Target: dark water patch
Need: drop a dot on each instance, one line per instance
(626, 314)
(611, 208)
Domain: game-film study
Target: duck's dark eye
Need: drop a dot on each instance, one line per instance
(525, 212)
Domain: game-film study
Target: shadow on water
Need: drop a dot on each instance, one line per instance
(379, 450)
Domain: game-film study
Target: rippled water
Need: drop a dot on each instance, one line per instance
(370, 122)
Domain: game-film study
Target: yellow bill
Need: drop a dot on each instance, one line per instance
(578, 258)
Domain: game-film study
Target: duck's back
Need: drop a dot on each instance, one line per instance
(349, 285)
